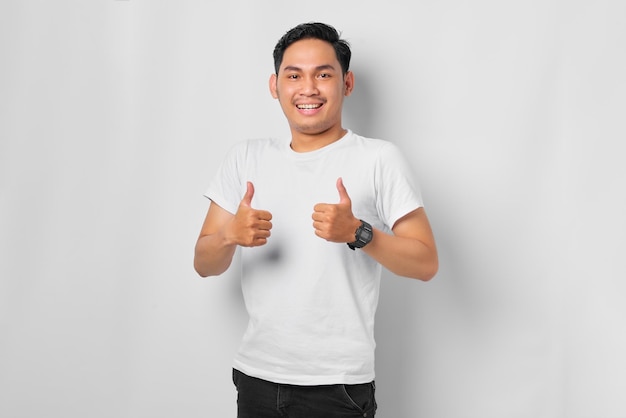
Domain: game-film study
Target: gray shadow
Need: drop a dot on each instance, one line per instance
(358, 110)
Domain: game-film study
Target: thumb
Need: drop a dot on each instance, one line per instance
(343, 193)
(247, 198)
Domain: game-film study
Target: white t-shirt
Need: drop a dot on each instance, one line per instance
(312, 302)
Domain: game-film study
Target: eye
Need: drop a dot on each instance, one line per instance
(292, 76)
(324, 75)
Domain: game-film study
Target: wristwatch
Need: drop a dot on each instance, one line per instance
(363, 236)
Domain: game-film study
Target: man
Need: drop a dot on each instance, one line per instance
(292, 206)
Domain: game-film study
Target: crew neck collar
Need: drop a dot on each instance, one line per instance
(320, 151)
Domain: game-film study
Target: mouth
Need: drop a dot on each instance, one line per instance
(309, 106)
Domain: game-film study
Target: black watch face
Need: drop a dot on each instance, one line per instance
(366, 235)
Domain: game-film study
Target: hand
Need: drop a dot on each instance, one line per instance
(250, 227)
(336, 222)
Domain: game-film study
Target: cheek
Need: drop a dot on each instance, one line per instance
(284, 104)
(284, 93)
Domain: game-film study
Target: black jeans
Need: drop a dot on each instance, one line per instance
(258, 398)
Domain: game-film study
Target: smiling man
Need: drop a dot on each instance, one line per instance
(316, 216)
(310, 85)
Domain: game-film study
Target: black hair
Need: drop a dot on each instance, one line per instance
(314, 30)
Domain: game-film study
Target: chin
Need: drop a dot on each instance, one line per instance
(311, 129)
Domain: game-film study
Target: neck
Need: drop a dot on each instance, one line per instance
(303, 142)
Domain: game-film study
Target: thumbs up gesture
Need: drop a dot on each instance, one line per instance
(336, 222)
(250, 227)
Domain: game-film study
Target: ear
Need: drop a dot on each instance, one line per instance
(273, 87)
(348, 83)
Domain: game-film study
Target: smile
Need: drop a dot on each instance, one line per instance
(309, 106)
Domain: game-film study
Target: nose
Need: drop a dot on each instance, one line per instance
(309, 86)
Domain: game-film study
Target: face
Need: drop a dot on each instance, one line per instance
(310, 87)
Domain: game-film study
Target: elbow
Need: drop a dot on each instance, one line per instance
(423, 272)
(428, 270)
(201, 272)
(421, 266)
(206, 268)
(209, 261)
(431, 267)
(431, 270)
(204, 271)
(204, 264)
(200, 267)
(428, 275)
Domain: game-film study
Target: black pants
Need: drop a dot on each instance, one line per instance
(258, 398)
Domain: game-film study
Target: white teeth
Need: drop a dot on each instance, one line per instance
(308, 106)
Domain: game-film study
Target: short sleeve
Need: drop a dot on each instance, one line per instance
(398, 192)
(227, 188)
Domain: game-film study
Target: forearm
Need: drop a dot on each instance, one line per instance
(403, 256)
(213, 255)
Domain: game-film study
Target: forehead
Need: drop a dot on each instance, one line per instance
(308, 53)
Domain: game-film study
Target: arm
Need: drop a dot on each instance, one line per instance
(222, 232)
(410, 251)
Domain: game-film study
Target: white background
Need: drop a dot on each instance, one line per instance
(115, 114)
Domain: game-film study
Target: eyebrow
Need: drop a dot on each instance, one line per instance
(318, 68)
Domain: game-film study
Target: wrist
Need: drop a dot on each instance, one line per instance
(226, 235)
(362, 236)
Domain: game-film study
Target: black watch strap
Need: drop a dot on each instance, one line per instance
(363, 236)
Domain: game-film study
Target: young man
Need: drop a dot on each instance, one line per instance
(316, 216)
